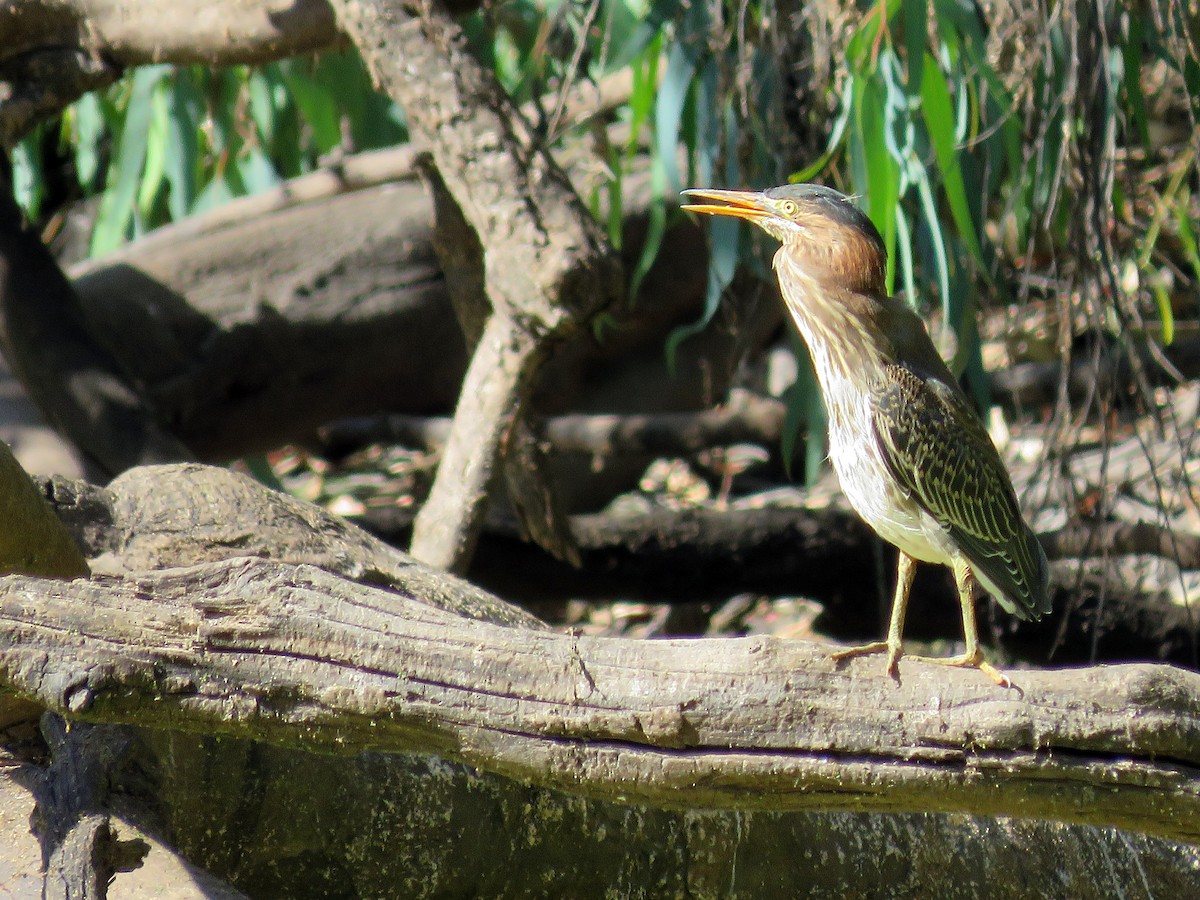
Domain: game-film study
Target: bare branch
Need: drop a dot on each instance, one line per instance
(540, 266)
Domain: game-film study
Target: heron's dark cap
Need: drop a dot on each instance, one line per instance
(834, 204)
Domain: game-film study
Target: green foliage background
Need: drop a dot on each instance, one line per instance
(960, 145)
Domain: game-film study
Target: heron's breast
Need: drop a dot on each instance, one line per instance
(869, 485)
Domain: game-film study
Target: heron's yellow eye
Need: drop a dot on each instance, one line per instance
(788, 208)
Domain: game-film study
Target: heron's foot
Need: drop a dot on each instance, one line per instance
(893, 651)
(972, 660)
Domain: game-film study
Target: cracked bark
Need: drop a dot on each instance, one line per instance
(259, 682)
(299, 657)
(543, 262)
(308, 659)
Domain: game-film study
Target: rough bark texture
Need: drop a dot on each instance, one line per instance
(160, 517)
(371, 650)
(546, 259)
(505, 358)
(545, 265)
(398, 717)
(52, 51)
(226, 32)
(297, 655)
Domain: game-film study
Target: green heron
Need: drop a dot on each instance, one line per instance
(912, 456)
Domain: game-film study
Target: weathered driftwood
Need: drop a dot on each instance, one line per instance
(302, 657)
(222, 33)
(745, 417)
(278, 821)
(158, 517)
(54, 51)
(1120, 609)
(294, 655)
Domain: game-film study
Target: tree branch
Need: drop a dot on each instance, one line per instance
(300, 657)
(543, 265)
(745, 418)
(53, 51)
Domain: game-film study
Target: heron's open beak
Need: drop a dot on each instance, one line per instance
(750, 205)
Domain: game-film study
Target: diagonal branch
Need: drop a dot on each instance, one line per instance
(545, 267)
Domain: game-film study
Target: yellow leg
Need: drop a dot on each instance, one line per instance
(972, 657)
(905, 570)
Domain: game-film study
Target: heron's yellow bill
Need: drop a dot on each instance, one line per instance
(749, 205)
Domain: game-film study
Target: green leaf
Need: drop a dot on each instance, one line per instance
(815, 452)
(28, 178)
(371, 115)
(706, 145)
(286, 144)
(1186, 234)
(656, 228)
(257, 172)
(154, 167)
(643, 95)
(904, 258)
(115, 215)
(262, 106)
(1166, 315)
(916, 38)
(668, 113)
(316, 105)
(933, 224)
(805, 412)
(182, 165)
(957, 19)
(88, 129)
(875, 171)
(940, 125)
(650, 28)
(214, 194)
(261, 471)
(836, 136)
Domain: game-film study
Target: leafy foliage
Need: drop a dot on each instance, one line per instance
(166, 142)
(958, 133)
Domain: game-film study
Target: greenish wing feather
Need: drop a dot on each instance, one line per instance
(938, 450)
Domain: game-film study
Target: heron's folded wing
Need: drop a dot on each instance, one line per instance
(939, 451)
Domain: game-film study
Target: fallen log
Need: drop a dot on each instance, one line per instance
(304, 658)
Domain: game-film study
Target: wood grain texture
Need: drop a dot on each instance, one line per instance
(304, 658)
